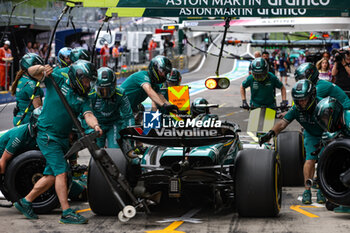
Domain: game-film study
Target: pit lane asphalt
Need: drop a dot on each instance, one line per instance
(294, 217)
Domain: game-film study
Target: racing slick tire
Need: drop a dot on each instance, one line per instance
(334, 160)
(22, 173)
(289, 146)
(101, 199)
(258, 188)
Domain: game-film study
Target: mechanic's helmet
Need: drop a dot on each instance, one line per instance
(62, 54)
(33, 121)
(30, 59)
(79, 53)
(304, 90)
(174, 77)
(106, 82)
(78, 73)
(195, 109)
(159, 68)
(307, 71)
(259, 68)
(329, 112)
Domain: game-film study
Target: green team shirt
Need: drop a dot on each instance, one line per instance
(17, 140)
(306, 120)
(24, 91)
(108, 111)
(325, 88)
(263, 93)
(132, 87)
(54, 119)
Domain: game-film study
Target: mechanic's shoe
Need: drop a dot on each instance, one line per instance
(320, 198)
(70, 217)
(342, 209)
(25, 207)
(306, 197)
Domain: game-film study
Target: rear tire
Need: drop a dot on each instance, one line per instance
(258, 188)
(101, 199)
(22, 173)
(334, 160)
(289, 146)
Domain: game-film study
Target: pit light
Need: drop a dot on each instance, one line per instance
(217, 83)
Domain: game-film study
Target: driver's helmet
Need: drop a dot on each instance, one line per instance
(304, 90)
(260, 69)
(30, 59)
(106, 82)
(174, 78)
(79, 53)
(329, 112)
(307, 71)
(62, 54)
(33, 121)
(159, 68)
(195, 109)
(77, 72)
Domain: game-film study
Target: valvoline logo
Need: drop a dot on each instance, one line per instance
(151, 120)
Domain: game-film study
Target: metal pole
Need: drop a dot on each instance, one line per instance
(227, 25)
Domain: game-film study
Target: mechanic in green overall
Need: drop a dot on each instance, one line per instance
(111, 108)
(54, 126)
(333, 118)
(305, 101)
(23, 88)
(323, 88)
(18, 140)
(143, 84)
(173, 79)
(263, 86)
(63, 57)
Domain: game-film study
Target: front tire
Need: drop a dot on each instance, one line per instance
(289, 146)
(101, 199)
(22, 173)
(258, 188)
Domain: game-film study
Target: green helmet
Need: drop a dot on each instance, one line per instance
(195, 109)
(79, 53)
(307, 71)
(259, 68)
(106, 82)
(329, 112)
(174, 77)
(30, 59)
(33, 121)
(304, 90)
(78, 71)
(159, 68)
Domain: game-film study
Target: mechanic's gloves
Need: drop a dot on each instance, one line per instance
(245, 104)
(169, 108)
(266, 137)
(284, 105)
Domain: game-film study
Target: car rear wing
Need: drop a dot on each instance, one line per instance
(181, 137)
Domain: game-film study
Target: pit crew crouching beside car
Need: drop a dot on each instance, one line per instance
(332, 117)
(54, 126)
(112, 110)
(262, 84)
(304, 97)
(323, 87)
(18, 140)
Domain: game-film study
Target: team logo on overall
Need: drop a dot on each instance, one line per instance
(151, 120)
